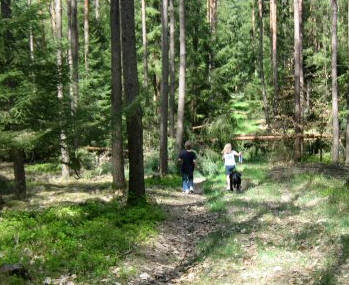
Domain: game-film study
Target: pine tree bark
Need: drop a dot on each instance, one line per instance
(298, 130)
(261, 59)
(19, 173)
(335, 130)
(58, 35)
(182, 74)
(164, 90)
(116, 98)
(273, 17)
(347, 97)
(86, 32)
(145, 44)
(172, 70)
(134, 114)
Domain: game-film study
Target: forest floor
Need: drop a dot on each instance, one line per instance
(289, 226)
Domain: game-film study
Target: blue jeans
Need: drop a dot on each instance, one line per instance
(187, 181)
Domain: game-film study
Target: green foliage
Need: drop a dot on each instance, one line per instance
(209, 162)
(170, 181)
(47, 167)
(6, 186)
(85, 239)
(88, 159)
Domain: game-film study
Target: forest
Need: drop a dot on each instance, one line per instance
(99, 99)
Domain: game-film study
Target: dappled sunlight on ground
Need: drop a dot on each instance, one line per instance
(289, 226)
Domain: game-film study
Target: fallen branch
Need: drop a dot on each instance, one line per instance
(279, 137)
(98, 148)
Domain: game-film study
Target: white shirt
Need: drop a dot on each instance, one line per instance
(229, 158)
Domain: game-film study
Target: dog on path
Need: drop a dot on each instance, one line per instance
(235, 181)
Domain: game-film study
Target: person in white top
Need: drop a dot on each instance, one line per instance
(229, 161)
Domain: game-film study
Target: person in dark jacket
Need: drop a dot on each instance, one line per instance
(188, 159)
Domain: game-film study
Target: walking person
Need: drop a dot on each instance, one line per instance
(188, 159)
(229, 161)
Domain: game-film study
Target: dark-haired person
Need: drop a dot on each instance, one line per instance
(188, 158)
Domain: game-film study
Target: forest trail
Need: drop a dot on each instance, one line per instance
(281, 231)
(291, 226)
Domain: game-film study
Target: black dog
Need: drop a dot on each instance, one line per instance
(235, 181)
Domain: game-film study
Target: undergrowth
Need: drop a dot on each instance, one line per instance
(85, 239)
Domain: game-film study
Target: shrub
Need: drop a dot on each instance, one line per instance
(87, 159)
(85, 239)
(5, 185)
(151, 163)
(47, 167)
(209, 162)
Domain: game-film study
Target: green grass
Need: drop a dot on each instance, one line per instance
(168, 181)
(48, 167)
(84, 239)
(290, 219)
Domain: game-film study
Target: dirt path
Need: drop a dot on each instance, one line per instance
(166, 259)
(278, 232)
(285, 229)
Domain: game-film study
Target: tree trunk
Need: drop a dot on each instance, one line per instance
(301, 72)
(75, 54)
(298, 130)
(172, 69)
(97, 9)
(212, 19)
(164, 90)
(116, 98)
(273, 17)
(70, 53)
(6, 13)
(261, 59)
(308, 91)
(347, 125)
(213, 15)
(182, 70)
(145, 44)
(19, 171)
(134, 114)
(52, 10)
(335, 131)
(31, 38)
(58, 34)
(86, 32)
